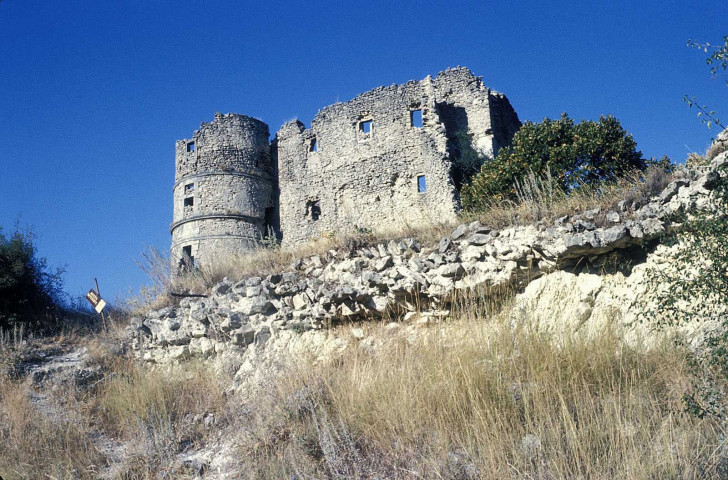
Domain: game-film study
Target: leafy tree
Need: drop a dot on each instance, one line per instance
(575, 154)
(30, 292)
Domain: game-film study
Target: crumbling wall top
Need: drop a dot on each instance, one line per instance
(231, 142)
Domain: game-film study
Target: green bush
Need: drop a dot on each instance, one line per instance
(576, 155)
(30, 292)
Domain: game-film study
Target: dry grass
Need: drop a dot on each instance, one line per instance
(538, 200)
(139, 397)
(159, 413)
(718, 147)
(36, 445)
(486, 400)
(52, 430)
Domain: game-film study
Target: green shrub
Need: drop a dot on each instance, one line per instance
(30, 292)
(577, 155)
(695, 289)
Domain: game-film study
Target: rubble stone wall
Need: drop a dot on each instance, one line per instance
(401, 276)
(363, 164)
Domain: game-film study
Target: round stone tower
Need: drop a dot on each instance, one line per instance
(223, 190)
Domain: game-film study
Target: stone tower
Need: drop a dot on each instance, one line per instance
(223, 189)
(387, 159)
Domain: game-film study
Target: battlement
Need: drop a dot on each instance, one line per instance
(378, 160)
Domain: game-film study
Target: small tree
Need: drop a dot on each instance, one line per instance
(576, 155)
(695, 288)
(466, 160)
(30, 293)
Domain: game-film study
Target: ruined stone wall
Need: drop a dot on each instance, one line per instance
(382, 160)
(223, 186)
(464, 103)
(344, 173)
(364, 180)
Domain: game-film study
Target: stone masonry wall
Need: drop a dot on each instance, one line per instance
(465, 103)
(336, 176)
(224, 186)
(363, 164)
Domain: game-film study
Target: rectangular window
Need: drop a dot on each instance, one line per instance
(416, 118)
(189, 201)
(191, 146)
(187, 262)
(189, 187)
(421, 184)
(365, 126)
(313, 146)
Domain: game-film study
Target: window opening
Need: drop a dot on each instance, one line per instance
(187, 262)
(313, 146)
(313, 208)
(416, 118)
(421, 184)
(365, 126)
(189, 201)
(191, 146)
(189, 187)
(270, 224)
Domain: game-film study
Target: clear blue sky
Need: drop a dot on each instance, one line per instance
(93, 94)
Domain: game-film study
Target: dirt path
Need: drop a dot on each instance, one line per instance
(55, 377)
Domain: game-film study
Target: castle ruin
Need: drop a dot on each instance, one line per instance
(383, 159)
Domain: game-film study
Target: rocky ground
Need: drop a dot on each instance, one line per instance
(574, 275)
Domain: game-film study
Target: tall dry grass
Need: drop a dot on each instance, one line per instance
(139, 394)
(539, 198)
(34, 444)
(56, 430)
(476, 399)
(161, 413)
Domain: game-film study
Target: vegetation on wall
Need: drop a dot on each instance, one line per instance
(576, 155)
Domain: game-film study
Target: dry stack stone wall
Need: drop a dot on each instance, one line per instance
(401, 276)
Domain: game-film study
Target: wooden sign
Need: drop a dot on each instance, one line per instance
(95, 300)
